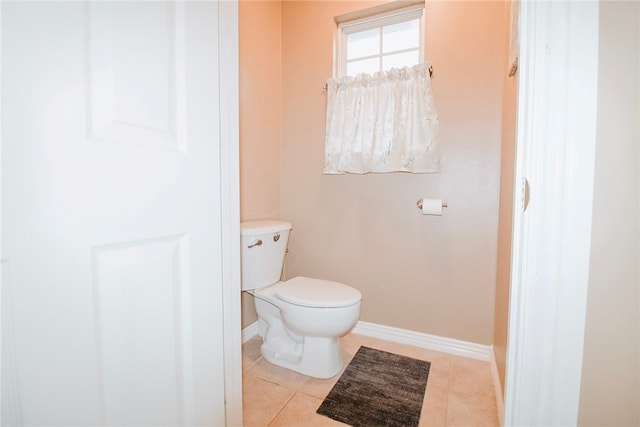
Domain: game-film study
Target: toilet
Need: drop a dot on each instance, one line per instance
(301, 319)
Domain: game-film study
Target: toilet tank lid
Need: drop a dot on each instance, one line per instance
(254, 228)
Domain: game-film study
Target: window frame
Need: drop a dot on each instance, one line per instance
(377, 20)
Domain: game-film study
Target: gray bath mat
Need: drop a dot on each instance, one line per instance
(378, 389)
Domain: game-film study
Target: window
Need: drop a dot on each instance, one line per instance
(386, 122)
(379, 42)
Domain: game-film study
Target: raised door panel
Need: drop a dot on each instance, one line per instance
(135, 67)
(142, 300)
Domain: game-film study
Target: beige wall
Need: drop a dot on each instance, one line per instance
(260, 116)
(434, 275)
(610, 393)
(507, 163)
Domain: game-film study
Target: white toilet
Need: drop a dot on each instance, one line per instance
(300, 319)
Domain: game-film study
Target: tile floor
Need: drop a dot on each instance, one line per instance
(459, 390)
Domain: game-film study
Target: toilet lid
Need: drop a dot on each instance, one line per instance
(317, 293)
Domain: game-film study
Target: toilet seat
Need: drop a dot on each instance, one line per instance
(307, 292)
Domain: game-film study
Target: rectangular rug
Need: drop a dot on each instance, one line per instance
(378, 388)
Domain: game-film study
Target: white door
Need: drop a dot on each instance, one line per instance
(112, 212)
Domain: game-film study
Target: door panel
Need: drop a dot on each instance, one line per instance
(111, 211)
(142, 297)
(136, 73)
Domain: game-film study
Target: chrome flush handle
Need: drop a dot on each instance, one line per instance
(256, 243)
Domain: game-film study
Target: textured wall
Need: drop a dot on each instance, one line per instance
(435, 275)
(610, 388)
(260, 116)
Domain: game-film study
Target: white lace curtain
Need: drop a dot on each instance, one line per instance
(382, 123)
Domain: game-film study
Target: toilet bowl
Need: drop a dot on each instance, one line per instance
(300, 320)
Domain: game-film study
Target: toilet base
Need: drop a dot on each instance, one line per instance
(321, 357)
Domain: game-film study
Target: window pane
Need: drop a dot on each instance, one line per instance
(399, 60)
(363, 43)
(369, 66)
(400, 36)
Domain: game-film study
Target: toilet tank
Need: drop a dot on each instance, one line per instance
(264, 244)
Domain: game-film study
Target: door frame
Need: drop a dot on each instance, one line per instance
(230, 215)
(555, 152)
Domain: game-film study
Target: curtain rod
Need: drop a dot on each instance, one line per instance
(326, 86)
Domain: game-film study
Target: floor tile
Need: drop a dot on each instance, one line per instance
(471, 376)
(318, 387)
(278, 375)
(251, 352)
(471, 410)
(434, 407)
(301, 411)
(440, 367)
(262, 400)
(352, 342)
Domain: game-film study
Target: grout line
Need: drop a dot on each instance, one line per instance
(281, 409)
(497, 387)
(446, 399)
(251, 365)
(450, 373)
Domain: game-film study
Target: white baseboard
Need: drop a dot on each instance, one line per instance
(404, 336)
(430, 342)
(495, 375)
(250, 332)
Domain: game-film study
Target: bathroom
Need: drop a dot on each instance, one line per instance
(433, 275)
(120, 256)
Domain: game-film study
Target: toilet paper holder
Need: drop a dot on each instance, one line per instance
(419, 204)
